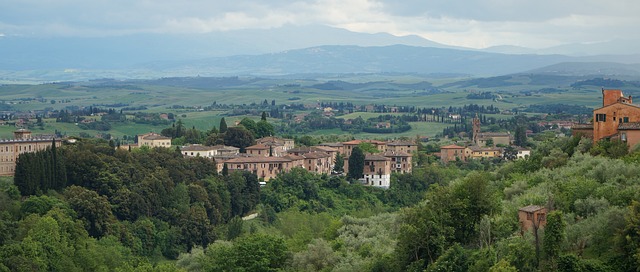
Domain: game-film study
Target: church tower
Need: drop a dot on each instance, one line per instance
(476, 130)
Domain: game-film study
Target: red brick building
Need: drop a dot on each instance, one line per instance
(451, 152)
(618, 118)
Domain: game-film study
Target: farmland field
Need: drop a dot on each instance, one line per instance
(186, 97)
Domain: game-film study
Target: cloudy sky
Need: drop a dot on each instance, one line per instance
(470, 23)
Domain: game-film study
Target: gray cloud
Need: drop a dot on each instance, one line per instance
(476, 23)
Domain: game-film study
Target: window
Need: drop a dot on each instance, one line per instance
(623, 137)
(601, 117)
(625, 119)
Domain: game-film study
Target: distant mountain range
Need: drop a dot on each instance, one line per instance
(286, 50)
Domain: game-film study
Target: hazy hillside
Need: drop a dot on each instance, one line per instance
(591, 68)
(30, 53)
(355, 59)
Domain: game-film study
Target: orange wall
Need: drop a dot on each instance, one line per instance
(610, 126)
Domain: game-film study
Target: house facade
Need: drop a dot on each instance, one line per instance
(454, 152)
(153, 140)
(377, 171)
(23, 142)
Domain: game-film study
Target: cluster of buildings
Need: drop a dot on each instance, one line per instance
(483, 145)
(271, 156)
(617, 119)
(23, 141)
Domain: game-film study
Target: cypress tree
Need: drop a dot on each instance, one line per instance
(356, 163)
(223, 125)
(225, 170)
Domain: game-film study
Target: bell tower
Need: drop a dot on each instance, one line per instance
(476, 129)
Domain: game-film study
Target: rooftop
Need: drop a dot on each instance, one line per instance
(531, 208)
(627, 126)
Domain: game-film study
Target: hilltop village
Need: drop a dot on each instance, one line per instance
(617, 119)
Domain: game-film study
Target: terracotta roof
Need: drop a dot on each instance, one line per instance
(197, 147)
(617, 103)
(256, 147)
(315, 155)
(332, 144)
(375, 157)
(303, 149)
(225, 147)
(531, 208)
(582, 126)
(326, 148)
(477, 148)
(356, 142)
(293, 157)
(628, 126)
(272, 139)
(155, 137)
(401, 143)
(451, 147)
(258, 160)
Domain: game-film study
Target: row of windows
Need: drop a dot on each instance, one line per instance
(602, 117)
(7, 169)
(6, 158)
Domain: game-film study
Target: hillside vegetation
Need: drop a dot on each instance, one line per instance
(154, 210)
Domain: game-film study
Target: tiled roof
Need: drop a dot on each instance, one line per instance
(401, 143)
(303, 149)
(197, 147)
(494, 134)
(256, 147)
(315, 155)
(451, 147)
(155, 137)
(258, 160)
(225, 147)
(626, 126)
(293, 157)
(356, 142)
(531, 208)
(332, 144)
(375, 157)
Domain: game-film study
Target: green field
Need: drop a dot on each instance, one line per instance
(160, 96)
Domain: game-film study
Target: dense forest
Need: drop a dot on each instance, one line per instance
(89, 207)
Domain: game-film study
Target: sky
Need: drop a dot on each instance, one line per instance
(469, 23)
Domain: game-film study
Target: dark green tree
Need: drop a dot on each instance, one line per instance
(225, 170)
(238, 137)
(264, 129)
(264, 116)
(223, 125)
(338, 165)
(553, 238)
(250, 125)
(520, 137)
(356, 163)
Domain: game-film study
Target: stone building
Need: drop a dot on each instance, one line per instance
(618, 118)
(454, 152)
(532, 217)
(22, 142)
